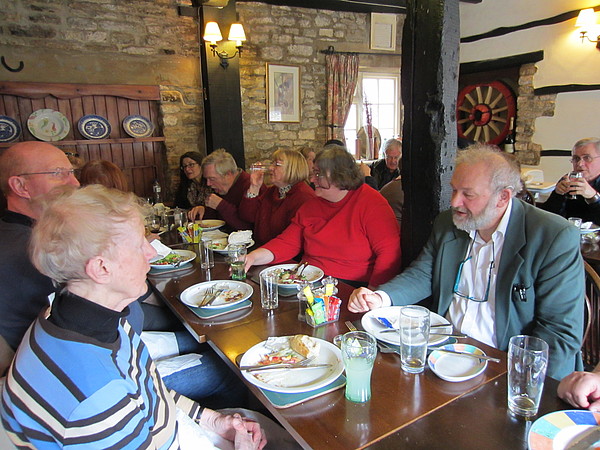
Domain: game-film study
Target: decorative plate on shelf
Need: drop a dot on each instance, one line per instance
(138, 126)
(9, 129)
(94, 127)
(48, 125)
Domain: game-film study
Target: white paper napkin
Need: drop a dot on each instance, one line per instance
(160, 248)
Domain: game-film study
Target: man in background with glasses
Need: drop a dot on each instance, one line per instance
(496, 266)
(27, 170)
(586, 205)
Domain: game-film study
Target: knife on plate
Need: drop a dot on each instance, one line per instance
(282, 367)
(472, 355)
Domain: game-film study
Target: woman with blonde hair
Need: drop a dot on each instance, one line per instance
(272, 211)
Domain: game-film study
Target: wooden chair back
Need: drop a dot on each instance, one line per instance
(590, 349)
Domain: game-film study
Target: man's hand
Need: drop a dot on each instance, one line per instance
(197, 212)
(365, 169)
(581, 389)
(363, 300)
(213, 201)
(575, 186)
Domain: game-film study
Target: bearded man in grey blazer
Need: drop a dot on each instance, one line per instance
(495, 266)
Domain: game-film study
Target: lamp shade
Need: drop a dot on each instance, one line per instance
(586, 18)
(236, 33)
(212, 32)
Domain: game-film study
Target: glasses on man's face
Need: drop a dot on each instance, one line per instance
(189, 166)
(60, 173)
(321, 179)
(585, 158)
(276, 163)
(489, 280)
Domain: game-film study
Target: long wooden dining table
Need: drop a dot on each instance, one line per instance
(405, 410)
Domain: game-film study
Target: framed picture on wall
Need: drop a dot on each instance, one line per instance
(383, 31)
(283, 93)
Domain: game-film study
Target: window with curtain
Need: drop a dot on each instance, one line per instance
(382, 93)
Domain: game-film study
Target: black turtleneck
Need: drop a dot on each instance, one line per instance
(75, 313)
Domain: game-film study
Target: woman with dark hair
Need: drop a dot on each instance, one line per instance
(272, 211)
(349, 230)
(104, 173)
(192, 190)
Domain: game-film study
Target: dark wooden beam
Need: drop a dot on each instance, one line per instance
(222, 99)
(430, 44)
(501, 63)
(365, 6)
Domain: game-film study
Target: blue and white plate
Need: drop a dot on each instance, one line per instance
(94, 127)
(9, 129)
(138, 126)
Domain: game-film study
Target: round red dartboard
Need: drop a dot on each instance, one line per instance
(484, 112)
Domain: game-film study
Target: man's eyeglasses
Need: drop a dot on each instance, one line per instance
(276, 163)
(489, 280)
(59, 173)
(586, 159)
(189, 166)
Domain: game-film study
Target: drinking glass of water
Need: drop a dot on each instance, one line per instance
(414, 335)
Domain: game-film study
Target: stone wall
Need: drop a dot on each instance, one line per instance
(112, 42)
(295, 36)
(530, 107)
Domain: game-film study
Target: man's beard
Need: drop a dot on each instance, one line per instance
(482, 221)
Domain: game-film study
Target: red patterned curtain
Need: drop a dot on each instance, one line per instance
(342, 74)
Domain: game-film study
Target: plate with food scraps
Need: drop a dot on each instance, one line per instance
(279, 349)
(392, 313)
(210, 224)
(453, 367)
(560, 430)
(232, 293)
(285, 277)
(174, 259)
(48, 125)
(588, 227)
(222, 246)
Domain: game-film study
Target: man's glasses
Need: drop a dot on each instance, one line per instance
(585, 158)
(59, 173)
(276, 163)
(489, 280)
(189, 166)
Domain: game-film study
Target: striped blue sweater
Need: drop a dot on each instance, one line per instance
(68, 390)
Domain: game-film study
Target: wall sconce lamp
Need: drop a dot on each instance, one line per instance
(212, 34)
(587, 21)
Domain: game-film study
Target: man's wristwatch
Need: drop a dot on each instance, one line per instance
(594, 199)
(251, 195)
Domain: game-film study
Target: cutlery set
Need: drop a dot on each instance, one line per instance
(210, 295)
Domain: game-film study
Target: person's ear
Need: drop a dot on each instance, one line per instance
(98, 269)
(19, 186)
(504, 197)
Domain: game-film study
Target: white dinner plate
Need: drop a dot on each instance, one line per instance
(592, 228)
(193, 295)
(187, 254)
(312, 273)
(455, 368)
(294, 381)
(224, 251)
(210, 224)
(392, 313)
(560, 429)
(48, 125)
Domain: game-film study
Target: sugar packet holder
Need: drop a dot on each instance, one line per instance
(321, 311)
(190, 234)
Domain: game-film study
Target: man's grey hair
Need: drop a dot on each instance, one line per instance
(504, 169)
(391, 143)
(586, 141)
(223, 162)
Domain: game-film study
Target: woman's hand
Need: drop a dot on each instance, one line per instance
(363, 300)
(197, 212)
(213, 201)
(257, 178)
(258, 257)
(245, 434)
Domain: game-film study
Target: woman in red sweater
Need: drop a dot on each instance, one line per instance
(349, 230)
(272, 211)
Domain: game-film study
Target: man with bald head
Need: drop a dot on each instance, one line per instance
(27, 170)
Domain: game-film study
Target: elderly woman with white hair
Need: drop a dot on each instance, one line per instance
(82, 375)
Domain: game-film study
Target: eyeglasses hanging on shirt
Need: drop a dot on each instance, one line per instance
(469, 257)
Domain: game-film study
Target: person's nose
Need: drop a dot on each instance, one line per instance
(72, 180)
(149, 251)
(456, 200)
